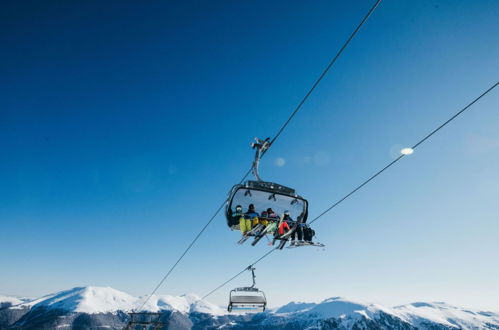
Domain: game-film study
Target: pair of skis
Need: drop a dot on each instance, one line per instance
(266, 231)
(260, 231)
(253, 232)
(295, 244)
(283, 238)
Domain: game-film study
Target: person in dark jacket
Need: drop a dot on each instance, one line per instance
(308, 234)
(298, 233)
(271, 214)
(236, 215)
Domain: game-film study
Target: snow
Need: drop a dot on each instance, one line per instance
(93, 300)
(88, 299)
(294, 307)
(11, 300)
(439, 312)
(185, 304)
(416, 313)
(337, 307)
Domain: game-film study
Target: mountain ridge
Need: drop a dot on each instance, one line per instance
(105, 306)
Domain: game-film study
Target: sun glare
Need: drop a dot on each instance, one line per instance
(406, 151)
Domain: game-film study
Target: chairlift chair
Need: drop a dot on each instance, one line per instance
(264, 194)
(247, 298)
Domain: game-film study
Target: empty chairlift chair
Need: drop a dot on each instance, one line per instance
(247, 298)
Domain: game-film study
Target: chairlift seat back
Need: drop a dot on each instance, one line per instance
(259, 300)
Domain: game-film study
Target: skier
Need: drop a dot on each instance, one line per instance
(271, 214)
(284, 225)
(245, 222)
(237, 215)
(308, 234)
(300, 229)
(260, 220)
(270, 228)
(263, 220)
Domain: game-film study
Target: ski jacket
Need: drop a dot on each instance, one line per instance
(251, 215)
(283, 228)
(273, 216)
(271, 227)
(236, 216)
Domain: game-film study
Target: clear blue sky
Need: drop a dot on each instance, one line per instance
(124, 124)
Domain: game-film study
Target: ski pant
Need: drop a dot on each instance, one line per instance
(298, 232)
(308, 234)
(244, 225)
(257, 221)
(269, 229)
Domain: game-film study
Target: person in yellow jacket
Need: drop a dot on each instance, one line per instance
(262, 220)
(245, 223)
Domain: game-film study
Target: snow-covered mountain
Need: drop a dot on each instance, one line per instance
(442, 313)
(420, 315)
(6, 301)
(90, 300)
(95, 300)
(104, 307)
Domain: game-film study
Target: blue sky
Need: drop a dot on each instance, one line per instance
(123, 125)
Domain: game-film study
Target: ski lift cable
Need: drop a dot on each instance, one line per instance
(402, 155)
(239, 274)
(279, 132)
(189, 246)
(363, 184)
(323, 74)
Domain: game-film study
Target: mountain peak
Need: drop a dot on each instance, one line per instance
(88, 299)
(96, 300)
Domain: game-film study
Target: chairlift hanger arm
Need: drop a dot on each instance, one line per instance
(261, 147)
(250, 267)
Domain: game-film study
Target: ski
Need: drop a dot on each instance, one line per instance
(304, 243)
(257, 239)
(271, 227)
(291, 231)
(282, 244)
(252, 232)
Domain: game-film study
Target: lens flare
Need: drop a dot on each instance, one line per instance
(406, 151)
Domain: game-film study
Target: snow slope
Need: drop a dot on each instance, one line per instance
(187, 303)
(293, 307)
(96, 300)
(11, 300)
(418, 314)
(442, 313)
(88, 299)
